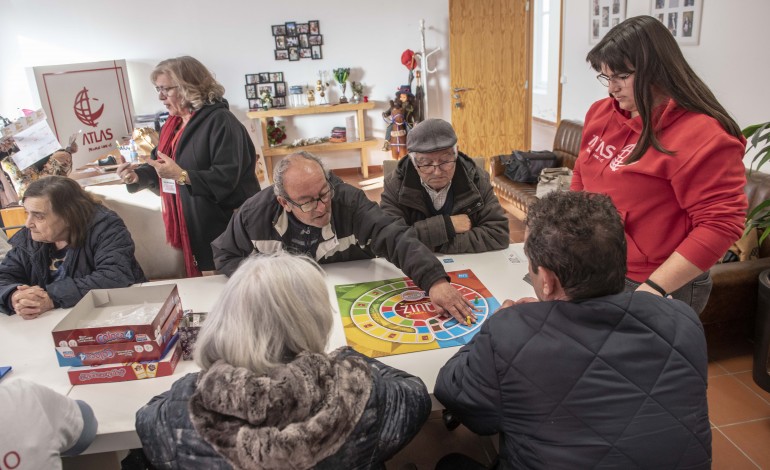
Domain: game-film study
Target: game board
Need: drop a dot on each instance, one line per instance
(394, 316)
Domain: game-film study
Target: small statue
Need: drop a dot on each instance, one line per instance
(398, 126)
(358, 91)
(311, 96)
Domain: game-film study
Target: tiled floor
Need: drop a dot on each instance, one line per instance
(739, 410)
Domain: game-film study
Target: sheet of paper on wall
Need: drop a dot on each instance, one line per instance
(34, 139)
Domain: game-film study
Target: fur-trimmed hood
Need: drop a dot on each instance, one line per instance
(293, 417)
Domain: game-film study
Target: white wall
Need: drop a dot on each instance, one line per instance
(232, 38)
(731, 57)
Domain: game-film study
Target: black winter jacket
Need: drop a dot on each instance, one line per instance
(105, 261)
(341, 410)
(611, 382)
(219, 157)
(405, 197)
(359, 229)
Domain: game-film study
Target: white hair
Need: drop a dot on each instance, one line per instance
(274, 307)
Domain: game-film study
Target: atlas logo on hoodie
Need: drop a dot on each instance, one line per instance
(598, 149)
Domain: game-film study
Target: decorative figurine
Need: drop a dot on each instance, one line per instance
(398, 126)
(358, 91)
(311, 96)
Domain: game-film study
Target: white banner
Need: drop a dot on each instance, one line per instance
(94, 98)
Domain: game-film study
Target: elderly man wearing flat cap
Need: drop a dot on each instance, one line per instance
(441, 192)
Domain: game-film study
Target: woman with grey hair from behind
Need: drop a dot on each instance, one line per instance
(269, 396)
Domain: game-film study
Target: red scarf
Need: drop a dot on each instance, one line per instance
(173, 215)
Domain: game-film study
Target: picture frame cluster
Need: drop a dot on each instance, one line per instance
(273, 82)
(681, 17)
(295, 41)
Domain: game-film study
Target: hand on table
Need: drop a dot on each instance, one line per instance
(127, 173)
(461, 223)
(166, 167)
(31, 301)
(448, 301)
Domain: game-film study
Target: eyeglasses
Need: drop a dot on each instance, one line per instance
(163, 90)
(313, 203)
(621, 77)
(445, 166)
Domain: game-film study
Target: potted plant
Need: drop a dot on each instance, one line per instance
(758, 137)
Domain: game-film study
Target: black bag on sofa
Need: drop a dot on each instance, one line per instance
(525, 167)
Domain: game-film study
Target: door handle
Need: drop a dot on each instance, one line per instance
(457, 90)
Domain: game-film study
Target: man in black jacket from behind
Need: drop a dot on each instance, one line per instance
(586, 375)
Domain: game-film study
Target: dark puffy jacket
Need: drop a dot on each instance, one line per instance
(359, 229)
(106, 260)
(612, 382)
(334, 411)
(405, 197)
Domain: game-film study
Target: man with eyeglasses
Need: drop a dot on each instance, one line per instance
(444, 195)
(313, 212)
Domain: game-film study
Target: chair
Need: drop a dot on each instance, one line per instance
(388, 166)
(13, 219)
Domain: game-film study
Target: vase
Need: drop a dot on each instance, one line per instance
(343, 98)
(356, 98)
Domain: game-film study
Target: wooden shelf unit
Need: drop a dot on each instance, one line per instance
(363, 144)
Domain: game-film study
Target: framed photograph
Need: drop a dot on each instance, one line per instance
(292, 41)
(251, 78)
(304, 53)
(279, 30)
(276, 77)
(313, 27)
(281, 54)
(255, 104)
(604, 14)
(302, 28)
(280, 42)
(303, 41)
(279, 102)
(280, 89)
(264, 77)
(293, 53)
(315, 39)
(315, 52)
(681, 17)
(266, 87)
(291, 28)
(251, 91)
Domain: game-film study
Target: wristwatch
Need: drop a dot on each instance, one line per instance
(182, 180)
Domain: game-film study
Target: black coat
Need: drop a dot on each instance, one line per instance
(612, 382)
(216, 151)
(106, 260)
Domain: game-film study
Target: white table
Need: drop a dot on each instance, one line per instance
(115, 404)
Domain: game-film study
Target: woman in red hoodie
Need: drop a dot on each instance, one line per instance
(670, 157)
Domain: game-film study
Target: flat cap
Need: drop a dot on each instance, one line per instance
(431, 135)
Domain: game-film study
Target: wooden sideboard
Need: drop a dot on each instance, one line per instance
(363, 144)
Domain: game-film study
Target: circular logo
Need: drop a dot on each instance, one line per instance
(138, 348)
(148, 347)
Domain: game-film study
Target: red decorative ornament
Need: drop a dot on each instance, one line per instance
(407, 58)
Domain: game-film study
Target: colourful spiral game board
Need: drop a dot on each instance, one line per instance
(394, 316)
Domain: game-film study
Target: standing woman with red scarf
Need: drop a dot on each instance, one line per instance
(204, 165)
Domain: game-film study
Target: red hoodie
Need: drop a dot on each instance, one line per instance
(691, 202)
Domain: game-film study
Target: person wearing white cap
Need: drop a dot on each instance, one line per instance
(442, 193)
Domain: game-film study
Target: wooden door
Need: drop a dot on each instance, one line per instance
(490, 57)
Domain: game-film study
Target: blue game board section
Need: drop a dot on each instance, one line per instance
(447, 339)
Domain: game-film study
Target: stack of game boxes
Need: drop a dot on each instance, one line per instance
(110, 336)
(338, 135)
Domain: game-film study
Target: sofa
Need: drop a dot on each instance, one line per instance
(566, 144)
(733, 301)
